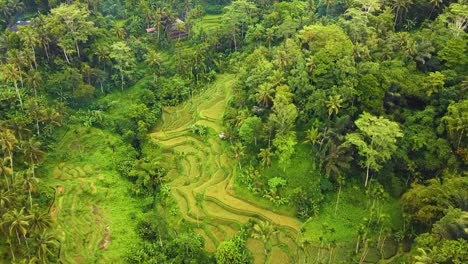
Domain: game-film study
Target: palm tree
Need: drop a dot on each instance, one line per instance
(43, 33)
(8, 143)
(239, 152)
(435, 4)
(34, 80)
(29, 182)
(32, 151)
(12, 74)
(18, 223)
(47, 244)
(334, 104)
(5, 170)
(154, 60)
(39, 222)
(30, 38)
(269, 36)
(398, 6)
(262, 231)
(313, 135)
(265, 155)
(6, 199)
(264, 95)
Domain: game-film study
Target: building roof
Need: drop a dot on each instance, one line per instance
(18, 23)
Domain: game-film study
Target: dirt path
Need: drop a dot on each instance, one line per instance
(203, 184)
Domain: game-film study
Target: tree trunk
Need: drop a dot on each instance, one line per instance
(30, 197)
(18, 94)
(77, 49)
(337, 198)
(396, 16)
(6, 180)
(460, 138)
(122, 79)
(357, 245)
(12, 251)
(34, 57)
(66, 56)
(37, 127)
(367, 175)
(46, 51)
(235, 42)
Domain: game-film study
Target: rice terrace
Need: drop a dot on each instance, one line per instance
(234, 132)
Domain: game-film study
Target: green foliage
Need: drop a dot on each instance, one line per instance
(284, 145)
(200, 130)
(375, 141)
(427, 204)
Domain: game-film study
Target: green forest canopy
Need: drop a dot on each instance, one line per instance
(345, 120)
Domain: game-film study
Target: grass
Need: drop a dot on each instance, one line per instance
(94, 210)
(92, 201)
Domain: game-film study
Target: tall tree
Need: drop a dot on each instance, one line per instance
(13, 74)
(375, 141)
(124, 60)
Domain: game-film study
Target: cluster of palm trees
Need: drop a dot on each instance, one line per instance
(23, 224)
(24, 227)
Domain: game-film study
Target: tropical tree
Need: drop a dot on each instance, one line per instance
(7, 198)
(400, 6)
(8, 144)
(264, 94)
(18, 223)
(71, 25)
(456, 120)
(263, 230)
(47, 245)
(13, 74)
(265, 155)
(154, 60)
(334, 104)
(375, 141)
(31, 39)
(239, 152)
(34, 80)
(124, 60)
(29, 182)
(32, 151)
(39, 221)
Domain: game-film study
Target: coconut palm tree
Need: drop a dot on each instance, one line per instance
(31, 39)
(38, 221)
(6, 199)
(5, 170)
(264, 95)
(12, 74)
(154, 60)
(334, 104)
(400, 6)
(29, 182)
(263, 231)
(8, 144)
(47, 245)
(32, 151)
(239, 152)
(34, 81)
(40, 26)
(265, 155)
(17, 223)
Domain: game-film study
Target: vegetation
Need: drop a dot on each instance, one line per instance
(243, 131)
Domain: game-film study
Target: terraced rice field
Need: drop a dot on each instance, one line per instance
(201, 177)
